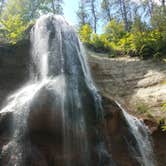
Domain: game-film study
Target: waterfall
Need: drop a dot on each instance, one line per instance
(142, 150)
(61, 101)
(61, 85)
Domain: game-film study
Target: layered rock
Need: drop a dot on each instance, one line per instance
(138, 84)
(128, 80)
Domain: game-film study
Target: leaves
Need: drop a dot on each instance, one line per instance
(18, 15)
(85, 33)
(140, 41)
(14, 28)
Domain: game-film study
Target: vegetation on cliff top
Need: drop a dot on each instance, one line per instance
(145, 43)
(135, 30)
(130, 27)
(16, 16)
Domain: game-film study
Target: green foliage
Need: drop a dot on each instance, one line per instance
(85, 33)
(163, 128)
(142, 108)
(162, 123)
(164, 107)
(31, 9)
(115, 30)
(140, 41)
(158, 20)
(94, 41)
(13, 28)
(16, 15)
(100, 43)
(17, 7)
(51, 6)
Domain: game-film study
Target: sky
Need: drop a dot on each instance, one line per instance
(70, 8)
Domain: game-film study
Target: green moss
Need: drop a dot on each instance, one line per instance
(142, 108)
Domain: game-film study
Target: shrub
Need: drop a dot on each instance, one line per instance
(163, 125)
(140, 41)
(142, 108)
(100, 43)
(115, 30)
(13, 28)
(85, 33)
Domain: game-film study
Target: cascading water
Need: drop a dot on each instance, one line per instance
(60, 85)
(61, 100)
(142, 150)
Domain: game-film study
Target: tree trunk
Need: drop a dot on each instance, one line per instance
(53, 7)
(107, 9)
(1, 5)
(163, 6)
(124, 13)
(94, 15)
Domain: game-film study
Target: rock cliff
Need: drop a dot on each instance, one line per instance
(141, 87)
(138, 84)
(14, 67)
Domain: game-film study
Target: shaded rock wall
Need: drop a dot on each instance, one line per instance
(14, 67)
(128, 80)
(117, 133)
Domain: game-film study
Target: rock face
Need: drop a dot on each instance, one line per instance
(128, 80)
(14, 64)
(46, 145)
(138, 84)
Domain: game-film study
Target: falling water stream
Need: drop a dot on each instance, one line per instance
(143, 151)
(60, 76)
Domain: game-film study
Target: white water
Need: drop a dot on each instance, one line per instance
(144, 151)
(59, 67)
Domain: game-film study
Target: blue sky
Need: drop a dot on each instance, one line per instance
(70, 8)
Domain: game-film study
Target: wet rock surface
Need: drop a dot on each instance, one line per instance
(44, 143)
(14, 67)
(45, 147)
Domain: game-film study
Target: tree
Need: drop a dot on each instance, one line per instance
(50, 6)
(31, 9)
(138, 25)
(158, 20)
(85, 33)
(123, 9)
(115, 30)
(163, 6)
(106, 10)
(28, 9)
(59, 7)
(2, 2)
(119, 9)
(148, 7)
(20, 13)
(14, 28)
(82, 14)
(87, 13)
(93, 13)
